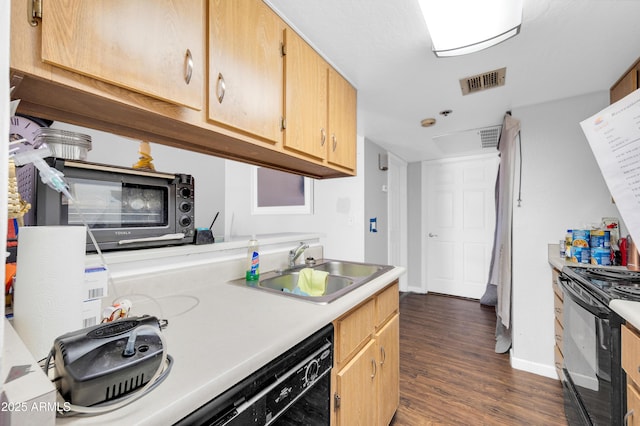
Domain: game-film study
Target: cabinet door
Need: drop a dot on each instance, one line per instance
(151, 47)
(356, 388)
(245, 67)
(305, 98)
(388, 345)
(632, 417)
(342, 122)
(627, 84)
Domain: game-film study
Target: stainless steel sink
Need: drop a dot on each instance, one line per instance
(335, 267)
(289, 281)
(343, 277)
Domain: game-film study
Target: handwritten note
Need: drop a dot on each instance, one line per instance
(614, 137)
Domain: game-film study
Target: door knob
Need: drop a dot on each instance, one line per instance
(432, 235)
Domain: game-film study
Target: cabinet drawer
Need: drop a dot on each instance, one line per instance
(559, 332)
(354, 329)
(558, 360)
(556, 287)
(387, 302)
(557, 307)
(631, 353)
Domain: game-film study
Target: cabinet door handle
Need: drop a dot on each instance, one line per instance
(323, 136)
(221, 88)
(188, 66)
(374, 368)
(34, 12)
(629, 414)
(383, 355)
(335, 142)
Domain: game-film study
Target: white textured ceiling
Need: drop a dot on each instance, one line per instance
(565, 48)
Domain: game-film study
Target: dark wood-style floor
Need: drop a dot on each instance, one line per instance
(450, 374)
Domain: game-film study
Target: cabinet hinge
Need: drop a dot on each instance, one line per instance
(283, 49)
(283, 123)
(34, 12)
(336, 400)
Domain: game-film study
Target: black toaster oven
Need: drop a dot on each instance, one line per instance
(125, 208)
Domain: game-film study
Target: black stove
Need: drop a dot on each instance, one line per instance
(592, 377)
(607, 284)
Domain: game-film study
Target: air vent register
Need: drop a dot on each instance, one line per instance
(484, 81)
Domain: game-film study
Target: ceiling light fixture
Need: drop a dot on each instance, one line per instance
(428, 122)
(459, 27)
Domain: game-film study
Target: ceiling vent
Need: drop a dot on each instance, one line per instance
(489, 136)
(483, 81)
(468, 142)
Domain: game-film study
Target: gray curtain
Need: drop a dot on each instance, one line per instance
(498, 291)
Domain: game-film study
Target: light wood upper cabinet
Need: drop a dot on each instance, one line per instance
(320, 107)
(124, 67)
(150, 47)
(305, 118)
(342, 122)
(626, 84)
(245, 67)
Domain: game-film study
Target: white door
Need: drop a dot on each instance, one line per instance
(459, 224)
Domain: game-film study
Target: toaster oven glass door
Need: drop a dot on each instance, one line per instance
(104, 204)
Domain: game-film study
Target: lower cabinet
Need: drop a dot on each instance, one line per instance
(388, 351)
(355, 394)
(558, 298)
(631, 365)
(367, 362)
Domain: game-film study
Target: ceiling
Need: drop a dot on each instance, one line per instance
(565, 48)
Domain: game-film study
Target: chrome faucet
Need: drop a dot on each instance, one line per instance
(295, 253)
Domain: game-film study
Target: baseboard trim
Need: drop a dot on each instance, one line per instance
(420, 290)
(534, 367)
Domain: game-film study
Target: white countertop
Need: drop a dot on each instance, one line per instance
(560, 262)
(218, 334)
(628, 310)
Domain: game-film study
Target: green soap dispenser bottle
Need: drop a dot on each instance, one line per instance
(253, 261)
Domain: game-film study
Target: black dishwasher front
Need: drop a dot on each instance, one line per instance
(293, 389)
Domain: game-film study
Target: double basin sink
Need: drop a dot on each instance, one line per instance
(343, 277)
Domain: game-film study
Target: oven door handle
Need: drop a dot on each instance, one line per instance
(590, 305)
(603, 343)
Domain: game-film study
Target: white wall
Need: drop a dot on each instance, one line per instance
(415, 235)
(338, 211)
(225, 186)
(376, 206)
(562, 188)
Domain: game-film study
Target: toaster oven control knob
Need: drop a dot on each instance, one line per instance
(185, 221)
(185, 192)
(185, 207)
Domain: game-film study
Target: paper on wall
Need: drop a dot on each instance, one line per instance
(614, 137)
